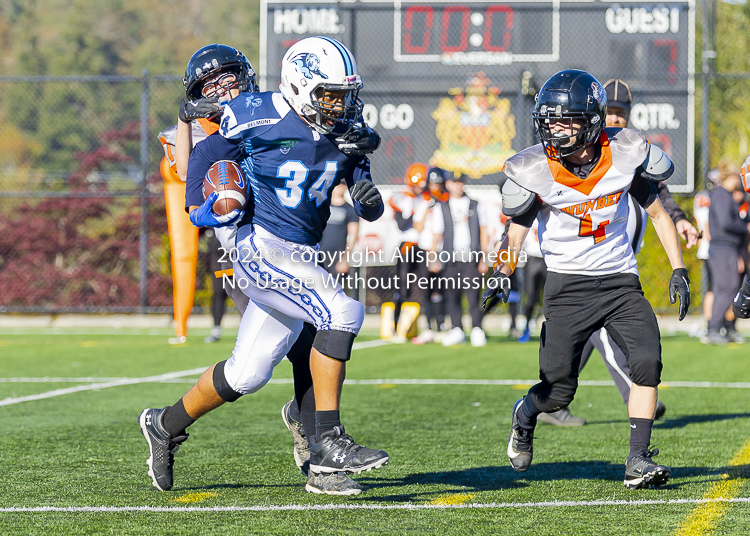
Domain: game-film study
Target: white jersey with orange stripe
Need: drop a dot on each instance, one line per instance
(200, 130)
(583, 222)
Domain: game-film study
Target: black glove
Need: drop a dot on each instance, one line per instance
(741, 306)
(679, 285)
(365, 192)
(205, 108)
(360, 141)
(498, 283)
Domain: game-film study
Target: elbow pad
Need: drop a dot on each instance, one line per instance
(516, 200)
(657, 166)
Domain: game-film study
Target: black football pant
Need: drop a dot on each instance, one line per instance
(575, 307)
(534, 276)
(457, 277)
(614, 360)
(725, 282)
(405, 265)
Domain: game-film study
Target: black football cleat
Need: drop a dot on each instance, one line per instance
(337, 452)
(301, 445)
(661, 409)
(161, 447)
(561, 417)
(641, 472)
(520, 443)
(331, 484)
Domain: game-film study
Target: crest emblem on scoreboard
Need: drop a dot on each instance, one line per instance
(475, 129)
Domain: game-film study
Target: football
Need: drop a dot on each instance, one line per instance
(225, 177)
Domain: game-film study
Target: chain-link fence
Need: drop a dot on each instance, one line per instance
(81, 203)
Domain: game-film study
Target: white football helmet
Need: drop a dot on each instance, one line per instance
(316, 65)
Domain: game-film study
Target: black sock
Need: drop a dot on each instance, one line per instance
(527, 416)
(307, 413)
(176, 419)
(640, 436)
(326, 421)
(294, 410)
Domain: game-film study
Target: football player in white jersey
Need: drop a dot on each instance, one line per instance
(619, 101)
(575, 183)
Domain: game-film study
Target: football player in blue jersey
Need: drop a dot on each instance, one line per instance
(293, 147)
(216, 74)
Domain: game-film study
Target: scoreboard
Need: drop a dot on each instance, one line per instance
(453, 83)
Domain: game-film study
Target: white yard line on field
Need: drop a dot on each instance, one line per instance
(101, 385)
(349, 506)
(180, 377)
(104, 383)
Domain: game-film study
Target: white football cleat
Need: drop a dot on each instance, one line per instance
(478, 338)
(454, 337)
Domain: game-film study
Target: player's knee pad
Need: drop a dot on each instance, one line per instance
(335, 344)
(348, 313)
(223, 389)
(645, 372)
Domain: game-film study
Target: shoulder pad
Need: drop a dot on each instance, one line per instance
(516, 200)
(628, 146)
(251, 114)
(168, 138)
(168, 135)
(530, 170)
(657, 166)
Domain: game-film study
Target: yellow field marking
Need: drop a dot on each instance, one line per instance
(520, 387)
(704, 517)
(89, 344)
(452, 499)
(4, 343)
(195, 497)
(386, 386)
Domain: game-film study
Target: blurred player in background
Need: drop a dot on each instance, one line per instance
(340, 234)
(409, 207)
(575, 183)
(215, 75)
(701, 204)
(433, 303)
(729, 232)
(460, 232)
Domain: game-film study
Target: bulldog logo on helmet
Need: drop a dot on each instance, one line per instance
(308, 64)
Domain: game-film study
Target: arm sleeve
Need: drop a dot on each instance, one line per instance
(527, 218)
(643, 191)
(205, 153)
(404, 224)
(669, 204)
(361, 172)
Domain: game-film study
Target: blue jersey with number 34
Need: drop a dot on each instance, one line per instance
(291, 168)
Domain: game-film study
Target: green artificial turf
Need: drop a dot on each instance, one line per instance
(446, 442)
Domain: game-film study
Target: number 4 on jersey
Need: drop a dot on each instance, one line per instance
(587, 229)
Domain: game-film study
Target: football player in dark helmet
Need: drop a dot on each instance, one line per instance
(577, 183)
(570, 112)
(206, 72)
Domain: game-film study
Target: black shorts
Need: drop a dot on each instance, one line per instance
(575, 306)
